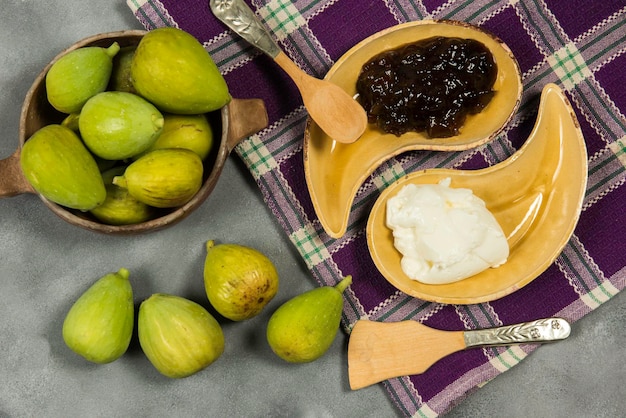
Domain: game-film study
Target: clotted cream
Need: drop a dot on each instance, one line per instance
(444, 234)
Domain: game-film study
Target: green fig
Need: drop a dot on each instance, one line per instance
(178, 336)
(116, 125)
(119, 207)
(172, 69)
(192, 132)
(59, 167)
(79, 75)
(239, 281)
(120, 76)
(99, 325)
(163, 178)
(303, 328)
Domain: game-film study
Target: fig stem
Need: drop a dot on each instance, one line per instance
(113, 49)
(344, 283)
(123, 273)
(120, 181)
(71, 121)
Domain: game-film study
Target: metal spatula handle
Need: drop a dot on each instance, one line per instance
(241, 19)
(539, 331)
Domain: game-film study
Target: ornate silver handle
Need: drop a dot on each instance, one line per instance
(540, 331)
(241, 19)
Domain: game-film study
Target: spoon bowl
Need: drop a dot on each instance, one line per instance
(535, 195)
(334, 171)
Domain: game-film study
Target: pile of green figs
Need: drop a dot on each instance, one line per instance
(135, 131)
(181, 337)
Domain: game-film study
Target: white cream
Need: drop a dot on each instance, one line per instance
(444, 234)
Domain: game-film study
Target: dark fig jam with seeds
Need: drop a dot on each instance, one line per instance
(430, 85)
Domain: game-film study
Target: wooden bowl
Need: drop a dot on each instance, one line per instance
(234, 122)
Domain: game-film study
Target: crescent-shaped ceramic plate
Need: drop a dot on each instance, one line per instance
(335, 171)
(536, 195)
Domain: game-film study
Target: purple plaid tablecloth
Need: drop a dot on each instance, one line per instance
(578, 44)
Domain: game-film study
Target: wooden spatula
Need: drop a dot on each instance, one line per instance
(378, 351)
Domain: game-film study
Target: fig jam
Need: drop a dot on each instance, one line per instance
(430, 85)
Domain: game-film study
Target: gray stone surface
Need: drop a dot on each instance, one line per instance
(46, 263)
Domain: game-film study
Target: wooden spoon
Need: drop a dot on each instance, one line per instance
(330, 107)
(378, 351)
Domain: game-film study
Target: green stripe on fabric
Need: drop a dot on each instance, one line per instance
(156, 10)
(458, 8)
(354, 308)
(585, 100)
(598, 281)
(621, 148)
(570, 59)
(546, 19)
(256, 158)
(488, 316)
(531, 22)
(500, 357)
(312, 48)
(142, 12)
(474, 15)
(282, 18)
(618, 121)
(403, 10)
(399, 305)
(471, 316)
(399, 402)
(580, 281)
(246, 50)
(603, 164)
(306, 247)
(408, 391)
(597, 39)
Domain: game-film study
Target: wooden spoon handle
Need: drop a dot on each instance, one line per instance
(12, 180)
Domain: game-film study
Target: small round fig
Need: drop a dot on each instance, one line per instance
(239, 281)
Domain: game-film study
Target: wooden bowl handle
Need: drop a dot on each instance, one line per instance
(12, 180)
(245, 117)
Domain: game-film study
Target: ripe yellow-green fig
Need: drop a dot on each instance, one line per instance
(99, 325)
(239, 281)
(119, 207)
(163, 178)
(59, 167)
(178, 336)
(120, 75)
(302, 329)
(172, 69)
(192, 132)
(79, 75)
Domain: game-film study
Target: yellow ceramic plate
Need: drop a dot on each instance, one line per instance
(335, 171)
(536, 195)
